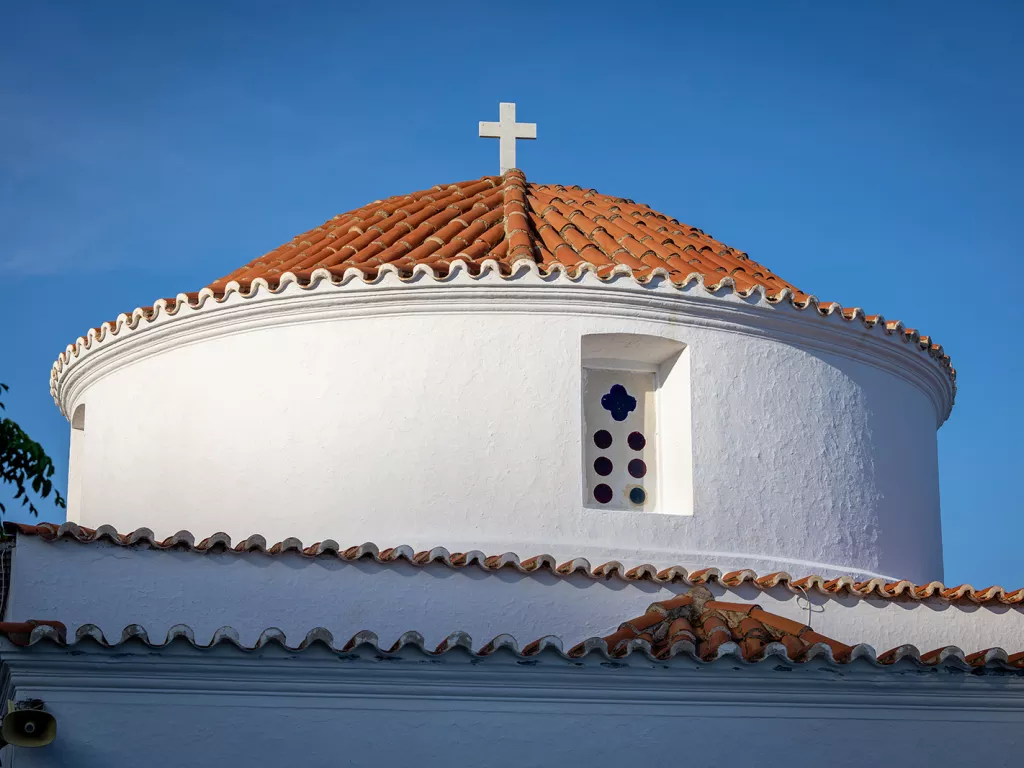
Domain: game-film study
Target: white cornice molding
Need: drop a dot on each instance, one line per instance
(527, 289)
(504, 680)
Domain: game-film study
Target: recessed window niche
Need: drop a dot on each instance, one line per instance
(75, 460)
(636, 424)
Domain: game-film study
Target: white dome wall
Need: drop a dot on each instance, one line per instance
(435, 414)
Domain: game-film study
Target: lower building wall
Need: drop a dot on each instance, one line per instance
(178, 706)
(252, 592)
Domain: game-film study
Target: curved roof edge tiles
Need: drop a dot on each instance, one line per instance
(221, 543)
(750, 647)
(497, 223)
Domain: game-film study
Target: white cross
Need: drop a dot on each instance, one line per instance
(507, 131)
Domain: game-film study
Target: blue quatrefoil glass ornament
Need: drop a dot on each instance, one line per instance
(618, 402)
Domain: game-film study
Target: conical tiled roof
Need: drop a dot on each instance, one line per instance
(506, 218)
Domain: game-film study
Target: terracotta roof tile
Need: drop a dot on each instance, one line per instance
(221, 542)
(597, 228)
(552, 215)
(506, 219)
(20, 632)
(699, 625)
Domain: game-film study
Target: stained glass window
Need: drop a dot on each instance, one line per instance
(618, 413)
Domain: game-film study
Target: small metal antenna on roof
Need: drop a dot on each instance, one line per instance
(507, 130)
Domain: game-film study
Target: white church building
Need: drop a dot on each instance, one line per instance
(507, 473)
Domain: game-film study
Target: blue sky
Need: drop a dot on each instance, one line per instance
(869, 152)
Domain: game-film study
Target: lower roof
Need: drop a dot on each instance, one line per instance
(220, 543)
(692, 624)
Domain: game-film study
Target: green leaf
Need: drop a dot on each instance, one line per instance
(24, 464)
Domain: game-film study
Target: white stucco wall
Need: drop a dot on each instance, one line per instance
(179, 706)
(448, 414)
(112, 587)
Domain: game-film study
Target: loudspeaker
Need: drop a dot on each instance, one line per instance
(28, 728)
